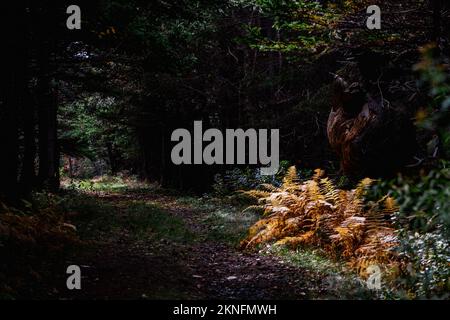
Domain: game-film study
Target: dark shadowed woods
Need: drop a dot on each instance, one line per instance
(357, 209)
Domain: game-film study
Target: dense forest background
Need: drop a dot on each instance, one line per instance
(114, 91)
(105, 99)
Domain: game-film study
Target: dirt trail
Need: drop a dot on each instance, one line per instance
(120, 266)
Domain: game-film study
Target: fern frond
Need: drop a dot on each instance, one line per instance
(294, 242)
(269, 187)
(329, 190)
(317, 212)
(390, 206)
(256, 194)
(362, 187)
(318, 173)
(254, 208)
(291, 178)
(313, 190)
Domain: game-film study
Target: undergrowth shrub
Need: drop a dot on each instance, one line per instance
(315, 212)
(121, 182)
(247, 178)
(423, 223)
(30, 239)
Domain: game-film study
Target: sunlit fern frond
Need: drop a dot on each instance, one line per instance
(349, 235)
(353, 205)
(313, 190)
(292, 226)
(316, 212)
(362, 187)
(375, 252)
(378, 216)
(268, 230)
(390, 206)
(329, 190)
(293, 242)
(376, 220)
(327, 221)
(256, 194)
(290, 180)
(343, 199)
(260, 224)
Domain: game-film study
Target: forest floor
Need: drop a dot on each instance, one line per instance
(147, 243)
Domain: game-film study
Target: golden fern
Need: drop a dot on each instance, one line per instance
(313, 190)
(329, 190)
(290, 180)
(269, 187)
(316, 212)
(362, 187)
(390, 206)
(318, 173)
(254, 208)
(256, 194)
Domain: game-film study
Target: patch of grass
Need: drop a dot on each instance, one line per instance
(337, 281)
(224, 222)
(145, 219)
(108, 184)
(89, 214)
(309, 259)
(139, 219)
(198, 203)
(228, 224)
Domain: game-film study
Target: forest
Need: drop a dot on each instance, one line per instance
(225, 149)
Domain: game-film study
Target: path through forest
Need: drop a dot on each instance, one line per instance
(147, 245)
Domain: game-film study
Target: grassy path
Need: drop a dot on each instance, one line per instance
(148, 244)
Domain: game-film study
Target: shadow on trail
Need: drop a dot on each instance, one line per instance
(145, 245)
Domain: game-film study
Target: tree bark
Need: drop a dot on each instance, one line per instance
(437, 20)
(28, 111)
(47, 104)
(11, 84)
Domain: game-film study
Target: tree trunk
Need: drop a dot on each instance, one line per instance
(112, 158)
(28, 111)
(28, 176)
(437, 23)
(48, 147)
(11, 84)
(47, 104)
(9, 131)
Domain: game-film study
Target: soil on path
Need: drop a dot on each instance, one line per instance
(122, 266)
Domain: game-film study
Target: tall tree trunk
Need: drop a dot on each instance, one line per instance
(112, 158)
(437, 20)
(8, 130)
(48, 147)
(28, 175)
(11, 79)
(47, 104)
(28, 111)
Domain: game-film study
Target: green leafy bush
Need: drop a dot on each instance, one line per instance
(248, 178)
(435, 77)
(423, 223)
